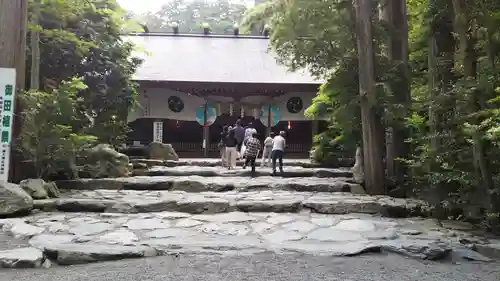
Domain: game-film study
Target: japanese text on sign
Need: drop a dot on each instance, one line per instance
(7, 98)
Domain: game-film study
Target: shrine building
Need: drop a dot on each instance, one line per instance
(191, 85)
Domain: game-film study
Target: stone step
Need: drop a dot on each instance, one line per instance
(133, 201)
(89, 237)
(213, 162)
(289, 172)
(199, 184)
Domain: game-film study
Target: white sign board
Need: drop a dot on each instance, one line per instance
(7, 98)
(158, 131)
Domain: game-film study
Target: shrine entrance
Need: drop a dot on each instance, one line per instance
(227, 102)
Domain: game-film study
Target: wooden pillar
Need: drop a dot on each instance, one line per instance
(206, 131)
(269, 127)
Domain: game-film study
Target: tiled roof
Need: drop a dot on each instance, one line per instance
(211, 58)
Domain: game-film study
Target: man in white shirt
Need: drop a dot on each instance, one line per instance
(279, 145)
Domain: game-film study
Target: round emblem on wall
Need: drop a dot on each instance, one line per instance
(175, 104)
(275, 115)
(294, 105)
(211, 115)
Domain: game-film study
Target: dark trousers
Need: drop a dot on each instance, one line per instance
(277, 154)
(250, 160)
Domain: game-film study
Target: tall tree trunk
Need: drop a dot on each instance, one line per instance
(433, 116)
(441, 109)
(395, 14)
(468, 58)
(372, 141)
(444, 46)
(13, 37)
(35, 47)
(13, 25)
(433, 94)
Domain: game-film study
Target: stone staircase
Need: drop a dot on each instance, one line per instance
(202, 187)
(194, 206)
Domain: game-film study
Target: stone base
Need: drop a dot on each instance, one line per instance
(290, 172)
(218, 184)
(131, 201)
(213, 162)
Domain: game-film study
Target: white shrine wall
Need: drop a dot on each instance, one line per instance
(153, 103)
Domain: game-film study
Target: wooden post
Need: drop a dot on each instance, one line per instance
(269, 127)
(13, 25)
(206, 131)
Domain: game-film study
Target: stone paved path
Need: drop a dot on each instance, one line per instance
(84, 237)
(179, 209)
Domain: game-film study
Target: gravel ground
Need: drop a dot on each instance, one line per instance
(264, 267)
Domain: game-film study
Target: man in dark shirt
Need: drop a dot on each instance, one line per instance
(239, 133)
(230, 142)
(252, 151)
(222, 146)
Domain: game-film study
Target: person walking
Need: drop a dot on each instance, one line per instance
(279, 145)
(249, 131)
(252, 145)
(239, 132)
(268, 148)
(231, 152)
(222, 146)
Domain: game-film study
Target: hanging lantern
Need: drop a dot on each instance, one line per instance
(236, 29)
(242, 112)
(230, 109)
(289, 125)
(206, 28)
(175, 27)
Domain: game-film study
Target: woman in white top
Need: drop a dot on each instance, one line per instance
(268, 148)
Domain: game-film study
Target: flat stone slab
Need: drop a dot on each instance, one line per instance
(80, 253)
(289, 172)
(278, 201)
(23, 258)
(212, 162)
(234, 233)
(216, 183)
